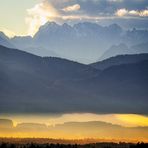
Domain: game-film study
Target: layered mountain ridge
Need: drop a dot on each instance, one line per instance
(83, 42)
(30, 83)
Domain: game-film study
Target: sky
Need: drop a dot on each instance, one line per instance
(26, 16)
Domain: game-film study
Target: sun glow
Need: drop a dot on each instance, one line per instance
(76, 126)
(39, 15)
(126, 120)
(133, 119)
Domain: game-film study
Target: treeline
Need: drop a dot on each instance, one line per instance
(96, 145)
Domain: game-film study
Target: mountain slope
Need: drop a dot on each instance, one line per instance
(32, 82)
(79, 42)
(4, 40)
(122, 49)
(140, 48)
(84, 42)
(120, 59)
(27, 44)
(115, 50)
(29, 83)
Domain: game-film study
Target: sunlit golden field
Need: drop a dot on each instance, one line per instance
(120, 127)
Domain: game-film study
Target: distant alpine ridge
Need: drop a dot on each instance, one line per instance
(83, 42)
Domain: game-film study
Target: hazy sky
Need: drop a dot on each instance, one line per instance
(13, 14)
(126, 120)
(76, 126)
(23, 17)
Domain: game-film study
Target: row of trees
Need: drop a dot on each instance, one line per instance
(97, 145)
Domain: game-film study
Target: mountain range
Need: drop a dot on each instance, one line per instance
(123, 49)
(83, 42)
(30, 83)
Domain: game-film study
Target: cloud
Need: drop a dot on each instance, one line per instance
(39, 15)
(62, 11)
(124, 12)
(121, 12)
(101, 7)
(75, 7)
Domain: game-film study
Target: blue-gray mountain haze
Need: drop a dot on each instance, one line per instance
(83, 42)
(39, 74)
(33, 84)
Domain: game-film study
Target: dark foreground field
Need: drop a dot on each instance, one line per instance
(44, 143)
(93, 145)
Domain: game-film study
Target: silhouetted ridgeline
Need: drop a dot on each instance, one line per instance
(35, 84)
(119, 60)
(92, 145)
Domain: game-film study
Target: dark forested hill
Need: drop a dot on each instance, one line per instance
(30, 83)
(120, 59)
